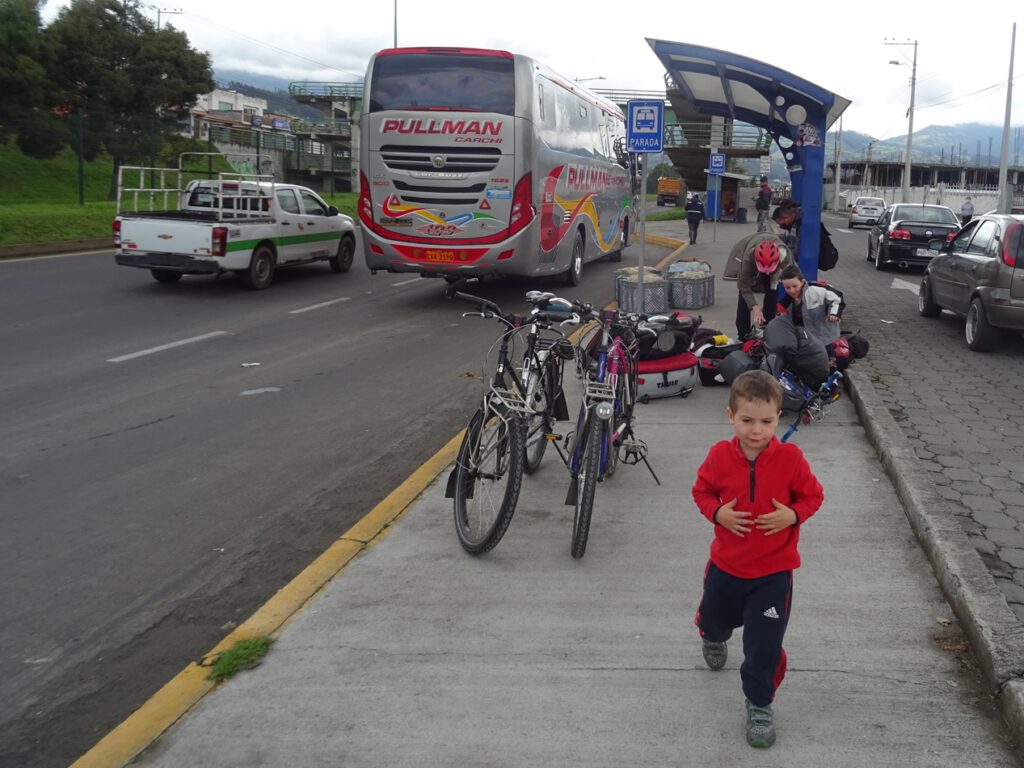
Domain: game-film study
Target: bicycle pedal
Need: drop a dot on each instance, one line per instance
(554, 437)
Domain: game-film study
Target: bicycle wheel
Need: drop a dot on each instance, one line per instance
(611, 461)
(586, 484)
(488, 476)
(541, 422)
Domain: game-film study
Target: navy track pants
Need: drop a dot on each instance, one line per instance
(761, 606)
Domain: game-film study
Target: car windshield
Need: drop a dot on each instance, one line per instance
(930, 214)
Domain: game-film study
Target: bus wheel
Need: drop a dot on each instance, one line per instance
(574, 274)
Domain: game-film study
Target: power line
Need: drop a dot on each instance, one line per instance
(273, 47)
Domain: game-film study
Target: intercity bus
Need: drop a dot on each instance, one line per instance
(481, 162)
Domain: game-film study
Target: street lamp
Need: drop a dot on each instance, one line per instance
(910, 116)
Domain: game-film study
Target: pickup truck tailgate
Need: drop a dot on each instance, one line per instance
(166, 236)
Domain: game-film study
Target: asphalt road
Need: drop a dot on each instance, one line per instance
(958, 408)
(174, 454)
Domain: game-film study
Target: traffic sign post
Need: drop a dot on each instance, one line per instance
(645, 126)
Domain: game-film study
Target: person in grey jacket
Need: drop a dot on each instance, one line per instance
(966, 212)
(816, 307)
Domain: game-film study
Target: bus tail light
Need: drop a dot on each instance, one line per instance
(220, 241)
(522, 208)
(117, 233)
(365, 202)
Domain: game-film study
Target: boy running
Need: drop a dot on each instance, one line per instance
(757, 492)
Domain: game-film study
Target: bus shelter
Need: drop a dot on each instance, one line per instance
(795, 112)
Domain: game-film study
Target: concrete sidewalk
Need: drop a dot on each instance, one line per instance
(418, 654)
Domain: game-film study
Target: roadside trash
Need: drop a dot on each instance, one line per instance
(249, 365)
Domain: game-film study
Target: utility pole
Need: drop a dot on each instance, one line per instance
(910, 116)
(165, 12)
(839, 143)
(1004, 153)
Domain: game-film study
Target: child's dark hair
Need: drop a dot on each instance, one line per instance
(755, 385)
(792, 272)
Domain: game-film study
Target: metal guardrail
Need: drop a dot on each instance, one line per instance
(724, 135)
(326, 90)
(334, 127)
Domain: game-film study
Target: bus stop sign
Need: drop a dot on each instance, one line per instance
(716, 164)
(645, 122)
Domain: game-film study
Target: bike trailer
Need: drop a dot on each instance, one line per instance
(667, 377)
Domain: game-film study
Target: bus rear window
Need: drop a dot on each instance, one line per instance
(452, 82)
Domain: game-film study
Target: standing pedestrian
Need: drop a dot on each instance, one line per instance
(695, 214)
(758, 493)
(762, 202)
(966, 211)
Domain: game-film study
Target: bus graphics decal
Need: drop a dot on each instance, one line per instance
(434, 225)
(552, 230)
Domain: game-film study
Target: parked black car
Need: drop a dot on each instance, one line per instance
(901, 234)
(979, 274)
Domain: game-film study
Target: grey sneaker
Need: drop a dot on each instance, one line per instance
(715, 654)
(760, 726)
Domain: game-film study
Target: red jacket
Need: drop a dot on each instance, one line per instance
(780, 472)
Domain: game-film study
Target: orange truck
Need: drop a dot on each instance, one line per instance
(670, 190)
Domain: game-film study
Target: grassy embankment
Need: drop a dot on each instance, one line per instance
(39, 198)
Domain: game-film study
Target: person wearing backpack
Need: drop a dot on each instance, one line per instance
(789, 216)
(762, 202)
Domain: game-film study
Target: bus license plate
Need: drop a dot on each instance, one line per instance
(435, 254)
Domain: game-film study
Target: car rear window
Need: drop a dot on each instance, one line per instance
(927, 215)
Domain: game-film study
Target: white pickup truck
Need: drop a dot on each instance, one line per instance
(248, 225)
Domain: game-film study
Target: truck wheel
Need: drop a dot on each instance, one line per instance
(260, 273)
(342, 260)
(165, 275)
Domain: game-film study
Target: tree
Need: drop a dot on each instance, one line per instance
(130, 81)
(661, 169)
(25, 56)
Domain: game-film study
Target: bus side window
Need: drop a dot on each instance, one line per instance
(540, 101)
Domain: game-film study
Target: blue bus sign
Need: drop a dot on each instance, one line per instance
(645, 121)
(716, 164)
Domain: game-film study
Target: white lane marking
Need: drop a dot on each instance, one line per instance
(260, 391)
(897, 283)
(407, 282)
(318, 306)
(163, 347)
(847, 231)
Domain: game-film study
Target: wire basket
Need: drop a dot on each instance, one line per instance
(655, 294)
(691, 293)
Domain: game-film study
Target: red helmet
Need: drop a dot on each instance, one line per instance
(766, 256)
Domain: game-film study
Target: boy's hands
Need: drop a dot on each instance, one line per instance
(739, 522)
(733, 519)
(783, 517)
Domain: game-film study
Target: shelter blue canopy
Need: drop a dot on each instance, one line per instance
(796, 112)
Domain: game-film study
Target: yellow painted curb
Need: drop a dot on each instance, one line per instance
(189, 686)
(667, 242)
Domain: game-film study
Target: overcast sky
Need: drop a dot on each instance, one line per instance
(963, 55)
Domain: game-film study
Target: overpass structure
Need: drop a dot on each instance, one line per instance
(725, 102)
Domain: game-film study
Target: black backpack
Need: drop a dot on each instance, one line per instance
(828, 254)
